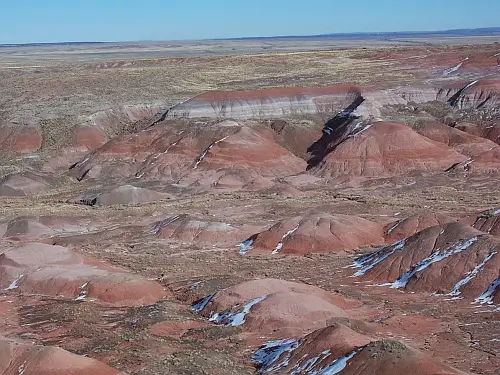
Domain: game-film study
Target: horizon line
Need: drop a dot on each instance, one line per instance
(495, 30)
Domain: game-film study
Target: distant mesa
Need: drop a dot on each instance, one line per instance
(322, 233)
(452, 259)
(300, 101)
(269, 103)
(22, 358)
(228, 155)
(478, 94)
(480, 61)
(56, 271)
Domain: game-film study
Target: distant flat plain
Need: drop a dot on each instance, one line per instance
(62, 84)
(17, 56)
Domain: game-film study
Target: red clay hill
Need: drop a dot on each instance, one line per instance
(60, 272)
(452, 259)
(384, 149)
(19, 358)
(319, 233)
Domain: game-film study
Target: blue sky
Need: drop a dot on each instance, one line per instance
(29, 21)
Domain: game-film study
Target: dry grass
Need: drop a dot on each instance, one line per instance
(68, 90)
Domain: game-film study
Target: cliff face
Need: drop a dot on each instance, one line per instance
(267, 103)
(477, 94)
(367, 102)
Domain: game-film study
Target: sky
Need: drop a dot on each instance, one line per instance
(37, 21)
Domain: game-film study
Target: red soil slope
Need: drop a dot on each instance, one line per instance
(17, 358)
(453, 259)
(57, 271)
(318, 234)
(386, 149)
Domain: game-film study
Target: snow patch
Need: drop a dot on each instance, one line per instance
(168, 148)
(345, 113)
(21, 369)
(14, 284)
(362, 130)
(279, 246)
(393, 226)
(274, 355)
(204, 153)
(245, 246)
(455, 292)
(487, 297)
(336, 366)
(195, 284)
(452, 69)
(162, 224)
(367, 262)
(84, 161)
(328, 131)
(308, 365)
(358, 128)
(471, 84)
(83, 292)
(437, 256)
(228, 318)
(202, 303)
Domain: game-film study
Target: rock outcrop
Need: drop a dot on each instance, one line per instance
(269, 103)
(478, 94)
(225, 155)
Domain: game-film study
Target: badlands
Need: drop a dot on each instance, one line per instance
(303, 212)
